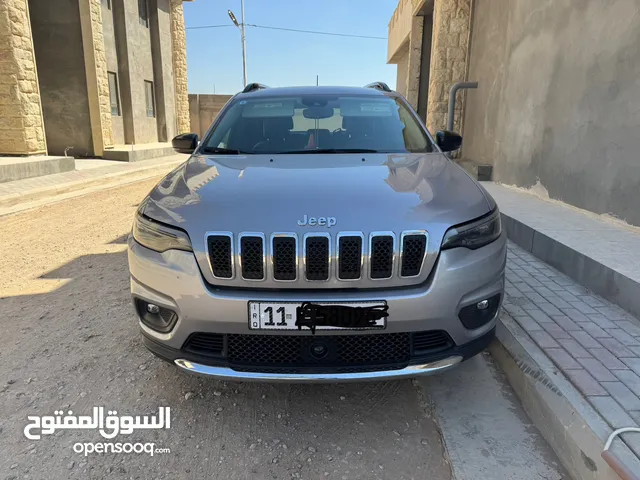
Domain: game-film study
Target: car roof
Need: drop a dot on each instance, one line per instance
(311, 90)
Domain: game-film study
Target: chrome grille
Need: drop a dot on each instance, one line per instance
(252, 255)
(381, 257)
(317, 255)
(349, 256)
(285, 258)
(414, 247)
(382, 250)
(221, 255)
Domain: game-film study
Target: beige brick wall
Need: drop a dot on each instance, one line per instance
(21, 123)
(96, 71)
(449, 59)
(179, 42)
(415, 58)
(101, 73)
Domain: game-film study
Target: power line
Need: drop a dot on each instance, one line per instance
(314, 32)
(208, 26)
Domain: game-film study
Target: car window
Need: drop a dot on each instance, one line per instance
(312, 123)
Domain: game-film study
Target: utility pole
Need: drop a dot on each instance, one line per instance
(244, 46)
(241, 27)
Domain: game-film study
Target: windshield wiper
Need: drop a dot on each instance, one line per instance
(221, 151)
(331, 150)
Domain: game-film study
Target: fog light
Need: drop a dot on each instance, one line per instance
(154, 316)
(152, 308)
(477, 314)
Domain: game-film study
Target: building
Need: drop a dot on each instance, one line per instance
(557, 106)
(91, 77)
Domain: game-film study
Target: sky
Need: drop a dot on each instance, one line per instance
(281, 58)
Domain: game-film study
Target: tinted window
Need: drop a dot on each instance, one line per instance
(318, 123)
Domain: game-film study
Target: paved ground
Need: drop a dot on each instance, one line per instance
(593, 342)
(69, 341)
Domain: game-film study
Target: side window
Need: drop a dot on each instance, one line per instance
(149, 98)
(415, 139)
(114, 96)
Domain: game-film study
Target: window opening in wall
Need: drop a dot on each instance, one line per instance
(114, 94)
(143, 12)
(149, 98)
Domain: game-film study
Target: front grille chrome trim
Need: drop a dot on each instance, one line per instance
(272, 253)
(394, 257)
(362, 255)
(232, 253)
(239, 255)
(409, 233)
(303, 273)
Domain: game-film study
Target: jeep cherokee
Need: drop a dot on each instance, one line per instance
(317, 234)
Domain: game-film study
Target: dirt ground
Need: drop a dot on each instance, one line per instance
(70, 341)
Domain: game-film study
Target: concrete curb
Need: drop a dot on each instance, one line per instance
(50, 194)
(601, 279)
(575, 431)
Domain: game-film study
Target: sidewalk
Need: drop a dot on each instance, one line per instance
(589, 342)
(90, 175)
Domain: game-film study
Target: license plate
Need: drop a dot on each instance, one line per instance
(283, 315)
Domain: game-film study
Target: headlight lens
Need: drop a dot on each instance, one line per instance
(159, 237)
(474, 234)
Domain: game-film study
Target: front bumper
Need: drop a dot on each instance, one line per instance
(460, 278)
(418, 366)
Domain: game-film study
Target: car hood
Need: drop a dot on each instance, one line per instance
(261, 193)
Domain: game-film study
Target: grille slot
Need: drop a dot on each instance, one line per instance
(317, 258)
(284, 258)
(252, 253)
(431, 340)
(220, 255)
(349, 257)
(381, 256)
(205, 344)
(295, 350)
(413, 251)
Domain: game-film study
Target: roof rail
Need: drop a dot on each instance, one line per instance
(254, 86)
(379, 86)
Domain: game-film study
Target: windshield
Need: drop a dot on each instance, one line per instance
(317, 124)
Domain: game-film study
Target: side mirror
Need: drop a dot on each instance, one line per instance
(185, 143)
(448, 141)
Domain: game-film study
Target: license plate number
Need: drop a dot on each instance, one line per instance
(282, 315)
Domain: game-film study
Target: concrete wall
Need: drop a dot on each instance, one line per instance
(112, 66)
(57, 40)
(140, 69)
(558, 101)
(203, 110)
(161, 48)
(402, 58)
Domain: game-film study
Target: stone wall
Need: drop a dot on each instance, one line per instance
(415, 57)
(21, 122)
(449, 55)
(203, 110)
(96, 71)
(179, 39)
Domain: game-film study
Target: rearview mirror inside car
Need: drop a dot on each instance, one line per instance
(448, 141)
(185, 143)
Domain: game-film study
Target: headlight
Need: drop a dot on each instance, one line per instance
(475, 234)
(159, 237)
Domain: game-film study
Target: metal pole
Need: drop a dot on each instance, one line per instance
(244, 46)
(452, 100)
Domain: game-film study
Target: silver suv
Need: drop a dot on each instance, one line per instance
(317, 234)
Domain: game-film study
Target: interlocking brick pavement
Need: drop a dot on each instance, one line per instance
(595, 343)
